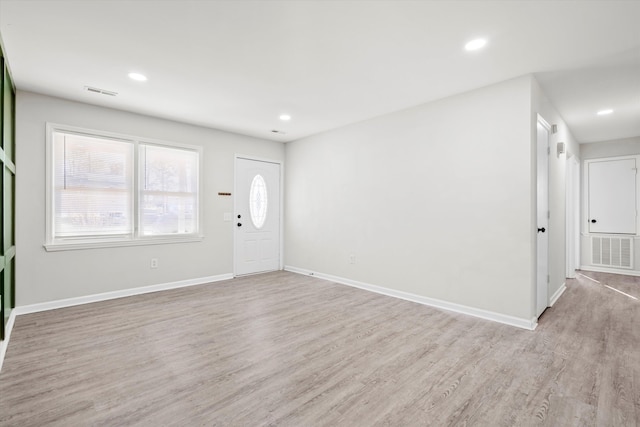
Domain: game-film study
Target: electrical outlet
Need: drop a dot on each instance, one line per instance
(352, 258)
(154, 262)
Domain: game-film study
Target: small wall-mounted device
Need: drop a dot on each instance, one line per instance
(562, 148)
(554, 128)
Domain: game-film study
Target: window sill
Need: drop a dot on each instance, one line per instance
(75, 245)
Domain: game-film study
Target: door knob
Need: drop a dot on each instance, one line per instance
(542, 230)
(239, 224)
(593, 221)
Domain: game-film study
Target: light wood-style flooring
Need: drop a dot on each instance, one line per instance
(284, 349)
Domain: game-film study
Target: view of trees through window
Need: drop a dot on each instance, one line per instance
(96, 187)
(93, 186)
(169, 195)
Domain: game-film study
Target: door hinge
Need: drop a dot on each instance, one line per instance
(548, 150)
(548, 214)
(548, 279)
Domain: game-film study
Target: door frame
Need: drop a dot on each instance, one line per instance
(236, 157)
(573, 215)
(541, 121)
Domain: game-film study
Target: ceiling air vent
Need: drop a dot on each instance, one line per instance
(101, 91)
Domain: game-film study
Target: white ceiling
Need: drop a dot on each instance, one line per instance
(238, 65)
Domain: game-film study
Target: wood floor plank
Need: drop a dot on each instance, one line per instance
(283, 349)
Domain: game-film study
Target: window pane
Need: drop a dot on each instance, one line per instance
(92, 186)
(166, 214)
(258, 202)
(169, 192)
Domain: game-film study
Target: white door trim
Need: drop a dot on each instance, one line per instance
(572, 210)
(538, 301)
(281, 220)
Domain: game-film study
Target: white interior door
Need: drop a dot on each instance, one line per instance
(542, 277)
(612, 196)
(257, 216)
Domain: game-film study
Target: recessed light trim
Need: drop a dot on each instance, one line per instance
(285, 117)
(604, 112)
(138, 77)
(475, 44)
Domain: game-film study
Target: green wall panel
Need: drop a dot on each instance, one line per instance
(9, 209)
(8, 112)
(7, 196)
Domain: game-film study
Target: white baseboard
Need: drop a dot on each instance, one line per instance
(529, 324)
(610, 270)
(5, 343)
(69, 302)
(557, 294)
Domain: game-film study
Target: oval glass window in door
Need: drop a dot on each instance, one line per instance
(258, 201)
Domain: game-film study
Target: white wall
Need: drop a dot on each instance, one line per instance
(47, 276)
(618, 147)
(597, 150)
(436, 200)
(557, 186)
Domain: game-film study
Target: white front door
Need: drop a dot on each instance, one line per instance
(612, 196)
(257, 216)
(542, 281)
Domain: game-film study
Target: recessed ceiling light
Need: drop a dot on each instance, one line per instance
(605, 112)
(285, 117)
(138, 77)
(475, 44)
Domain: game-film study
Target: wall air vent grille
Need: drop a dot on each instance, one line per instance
(612, 251)
(100, 91)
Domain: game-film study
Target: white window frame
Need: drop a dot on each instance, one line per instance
(135, 239)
